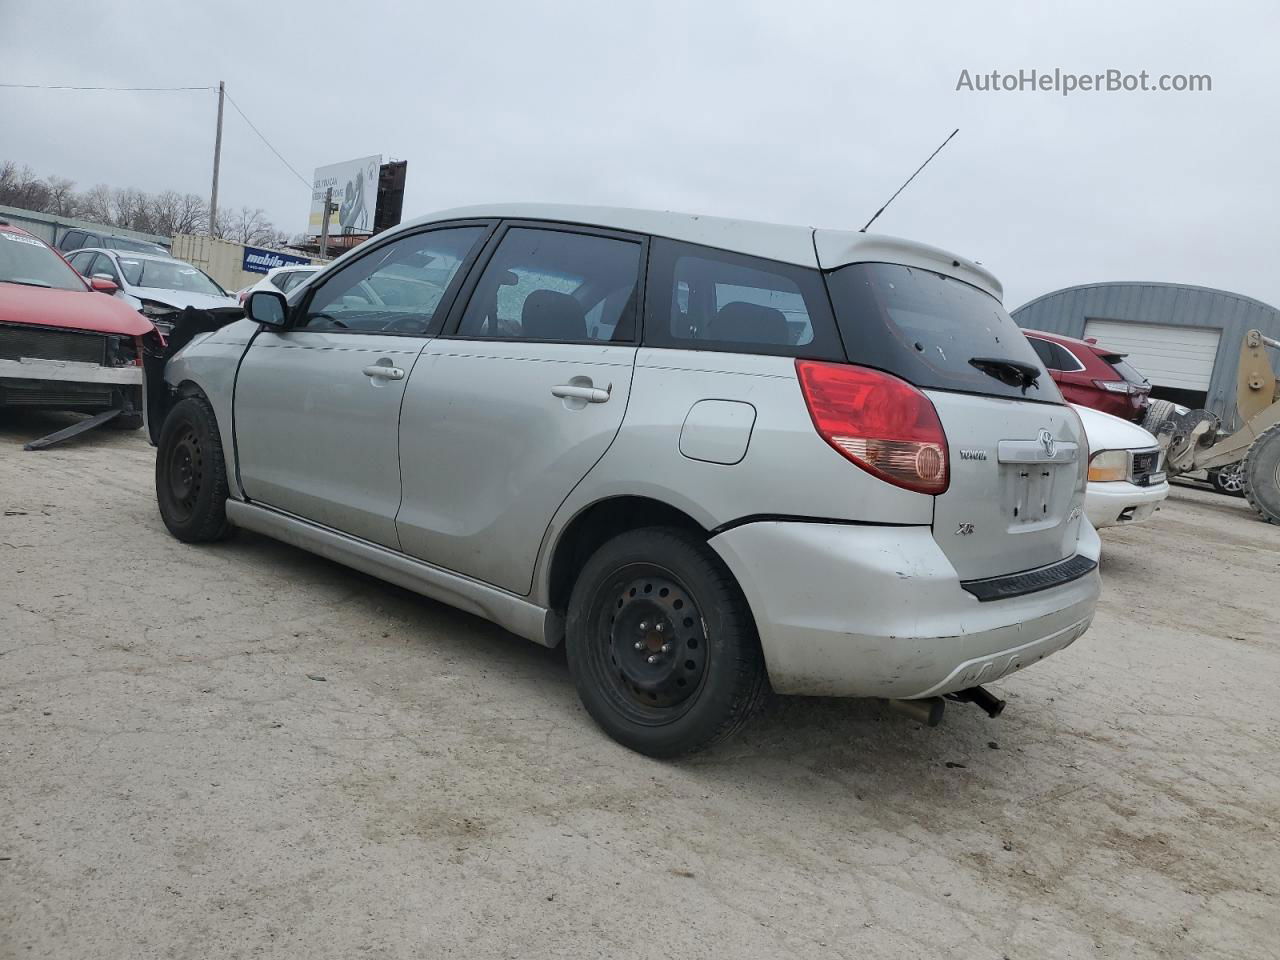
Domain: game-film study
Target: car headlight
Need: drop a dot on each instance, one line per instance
(1107, 465)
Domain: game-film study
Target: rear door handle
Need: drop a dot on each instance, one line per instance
(574, 392)
(384, 372)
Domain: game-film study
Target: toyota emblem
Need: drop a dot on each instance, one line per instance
(1046, 440)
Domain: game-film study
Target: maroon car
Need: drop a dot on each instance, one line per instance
(1093, 376)
(63, 345)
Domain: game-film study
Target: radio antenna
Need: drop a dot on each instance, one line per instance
(909, 179)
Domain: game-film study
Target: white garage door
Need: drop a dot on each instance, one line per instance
(1168, 356)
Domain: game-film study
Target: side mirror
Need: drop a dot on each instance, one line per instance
(268, 308)
(103, 284)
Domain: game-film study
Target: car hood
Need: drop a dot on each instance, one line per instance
(1106, 432)
(73, 309)
(183, 298)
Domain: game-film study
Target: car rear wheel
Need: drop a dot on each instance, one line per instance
(1228, 480)
(661, 643)
(191, 475)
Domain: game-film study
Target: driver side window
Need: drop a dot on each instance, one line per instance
(396, 289)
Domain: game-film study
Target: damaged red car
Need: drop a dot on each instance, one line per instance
(63, 345)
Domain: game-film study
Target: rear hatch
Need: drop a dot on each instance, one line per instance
(1017, 456)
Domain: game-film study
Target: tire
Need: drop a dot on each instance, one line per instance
(1261, 472)
(191, 475)
(658, 701)
(1228, 480)
(1157, 413)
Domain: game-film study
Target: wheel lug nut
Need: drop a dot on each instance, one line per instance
(653, 658)
(644, 626)
(660, 627)
(666, 648)
(639, 645)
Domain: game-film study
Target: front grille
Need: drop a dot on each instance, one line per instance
(1142, 464)
(44, 343)
(1029, 581)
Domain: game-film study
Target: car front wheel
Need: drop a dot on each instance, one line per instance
(191, 475)
(661, 643)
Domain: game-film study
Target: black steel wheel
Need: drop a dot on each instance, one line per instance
(661, 643)
(191, 475)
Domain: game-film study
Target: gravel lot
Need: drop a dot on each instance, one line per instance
(246, 751)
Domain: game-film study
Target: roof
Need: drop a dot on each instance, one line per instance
(787, 243)
(130, 254)
(1071, 341)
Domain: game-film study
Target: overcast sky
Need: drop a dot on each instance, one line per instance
(788, 111)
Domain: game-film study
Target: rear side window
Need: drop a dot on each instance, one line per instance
(73, 240)
(928, 328)
(707, 299)
(1055, 356)
(1127, 372)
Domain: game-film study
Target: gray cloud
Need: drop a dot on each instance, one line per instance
(796, 112)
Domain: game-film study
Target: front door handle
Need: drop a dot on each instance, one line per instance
(571, 391)
(384, 372)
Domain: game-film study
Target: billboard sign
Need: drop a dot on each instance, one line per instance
(355, 193)
(257, 260)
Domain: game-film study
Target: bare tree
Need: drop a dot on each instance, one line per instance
(96, 204)
(172, 213)
(249, 226)
(165, 213)
(62, 197)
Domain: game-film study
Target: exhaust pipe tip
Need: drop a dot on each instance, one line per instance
(927, 711)
(981, 698)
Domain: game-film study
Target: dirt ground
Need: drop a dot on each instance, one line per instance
(246, 751)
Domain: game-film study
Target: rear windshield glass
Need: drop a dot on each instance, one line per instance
(935, 332)
(1121, 366)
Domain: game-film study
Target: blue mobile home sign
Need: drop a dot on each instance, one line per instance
(260, 261)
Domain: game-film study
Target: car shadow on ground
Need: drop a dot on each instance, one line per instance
(820, 737)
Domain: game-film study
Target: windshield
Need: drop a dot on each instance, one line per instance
(26, 260)
(936, 332)
(168, 275)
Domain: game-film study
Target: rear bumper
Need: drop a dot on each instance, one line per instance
(862, 611)
(69, 371)
(1118, 501)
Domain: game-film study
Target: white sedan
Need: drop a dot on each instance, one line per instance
(1126, 475)
(283, 279)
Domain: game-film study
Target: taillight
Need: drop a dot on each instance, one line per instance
(883, 424)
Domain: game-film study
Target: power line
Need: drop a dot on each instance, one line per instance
(304, 180)
(63, 86)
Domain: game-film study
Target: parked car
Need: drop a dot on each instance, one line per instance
(1093, 376)
(63, 345)
(160, 286)
(1126, 470)
(78, 239)
(283, 279)
(709, 455)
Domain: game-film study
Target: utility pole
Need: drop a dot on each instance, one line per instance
(329, 208)
(217, 157)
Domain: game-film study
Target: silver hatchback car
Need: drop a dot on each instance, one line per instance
(711, 456)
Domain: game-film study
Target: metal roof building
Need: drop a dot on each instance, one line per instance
(1184, 339)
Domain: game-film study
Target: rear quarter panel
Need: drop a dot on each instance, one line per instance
(787, 470)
